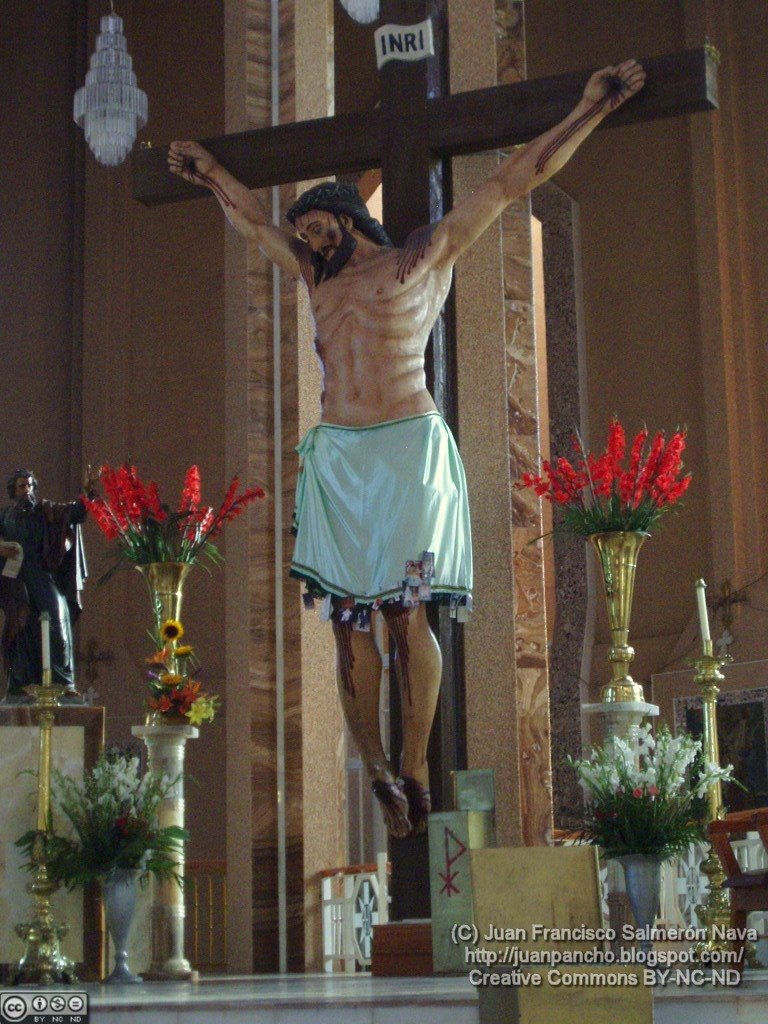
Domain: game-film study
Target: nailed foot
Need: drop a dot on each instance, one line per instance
(419, 803)
(394, 807)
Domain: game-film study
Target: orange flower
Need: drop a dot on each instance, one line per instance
(161, 704)
(158, 658)
(191, 691)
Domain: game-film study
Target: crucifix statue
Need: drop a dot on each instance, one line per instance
(381, 449)
(382, 518)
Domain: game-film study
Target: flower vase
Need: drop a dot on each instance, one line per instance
(118, 892)
(166, 585)
(642, 874)
(170, 717)
(617, 553)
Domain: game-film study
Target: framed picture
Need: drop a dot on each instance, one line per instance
(742, 723)
(742, 728)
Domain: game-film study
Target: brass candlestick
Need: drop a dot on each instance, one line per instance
(715, 909)
(43, 962)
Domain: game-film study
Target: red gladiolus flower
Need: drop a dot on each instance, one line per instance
(153, 505)
(232, 506)
(190, 494)
(637, 792)
(600, 495)
(628, 482)
(146, 530)
(617, 442)
(102, 517)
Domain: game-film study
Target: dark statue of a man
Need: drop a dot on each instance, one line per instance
(44, 536)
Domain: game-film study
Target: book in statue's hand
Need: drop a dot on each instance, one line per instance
(10, 567)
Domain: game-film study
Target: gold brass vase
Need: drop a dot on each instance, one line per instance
(617, 554)
(166, 585)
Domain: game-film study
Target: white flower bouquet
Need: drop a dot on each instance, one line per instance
(649, 799)
(112, 816)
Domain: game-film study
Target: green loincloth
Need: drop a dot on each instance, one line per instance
(371, 498)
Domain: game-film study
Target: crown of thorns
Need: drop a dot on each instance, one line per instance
(340, 197)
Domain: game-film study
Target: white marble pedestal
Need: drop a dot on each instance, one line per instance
(621, 719)
(165, 746)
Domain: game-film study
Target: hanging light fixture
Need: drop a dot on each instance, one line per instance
(363, 11)
(109, 107)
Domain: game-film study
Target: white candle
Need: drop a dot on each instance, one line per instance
(45, 633)
(701, 600)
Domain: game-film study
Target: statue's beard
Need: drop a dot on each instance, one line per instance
(26, 503)
(325, 269)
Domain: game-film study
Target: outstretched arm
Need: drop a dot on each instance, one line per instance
(91, 476)
(242, 207)
(534, 163)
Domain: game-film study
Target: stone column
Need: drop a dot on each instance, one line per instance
(505, 640)
(288, 822)
(165, 746)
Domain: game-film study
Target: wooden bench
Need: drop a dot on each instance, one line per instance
(748, 889)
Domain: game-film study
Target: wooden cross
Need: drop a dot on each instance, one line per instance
(92, 657)
(417, 127)
(411, 136)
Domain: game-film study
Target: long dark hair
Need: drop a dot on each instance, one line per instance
(340, 197)
(20, 474)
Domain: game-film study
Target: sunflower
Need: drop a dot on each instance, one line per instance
(170, 679)
(172, 630)
(183, 650)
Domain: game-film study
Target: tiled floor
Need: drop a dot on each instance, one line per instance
(360, 999)
(289, 999)
(702, 1002)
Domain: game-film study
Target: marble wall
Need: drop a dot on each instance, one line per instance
(492, 710)
(672, 334)
(525, 382)
(570, 645)
(641, 315)
(507, 708)
(291, 684)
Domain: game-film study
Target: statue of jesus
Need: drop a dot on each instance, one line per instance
(382, 522)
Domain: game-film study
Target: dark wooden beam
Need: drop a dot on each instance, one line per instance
(468, 122)
(504, 115)
(270, 156)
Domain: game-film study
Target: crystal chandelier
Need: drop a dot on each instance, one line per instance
(109, 107)
(363, 11)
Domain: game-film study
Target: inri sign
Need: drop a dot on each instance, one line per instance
(403, 42)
